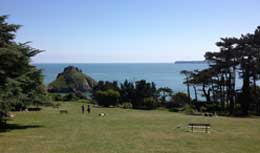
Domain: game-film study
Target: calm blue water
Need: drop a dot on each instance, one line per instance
(164, 75)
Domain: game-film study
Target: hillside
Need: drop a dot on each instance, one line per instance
(72, 79)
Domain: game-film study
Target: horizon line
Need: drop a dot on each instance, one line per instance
(117, 62)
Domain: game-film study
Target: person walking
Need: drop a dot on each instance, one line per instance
(89, 110)
(82, 109)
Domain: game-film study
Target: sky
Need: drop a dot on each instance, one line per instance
(128, 31)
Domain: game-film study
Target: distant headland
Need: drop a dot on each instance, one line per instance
(190, 62)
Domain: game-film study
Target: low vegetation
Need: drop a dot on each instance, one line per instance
(140, 94)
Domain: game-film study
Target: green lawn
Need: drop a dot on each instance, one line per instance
(126, 131)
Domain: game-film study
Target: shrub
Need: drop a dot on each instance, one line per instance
(56, 104)
(55, 96)
(84, 101)
(175, 109)
(70, 97)
(33, 109)
(150, 103)
(80, 95)
(126, 105)
(107, 98)
(180, 99)
(188, 110)
(91, 101)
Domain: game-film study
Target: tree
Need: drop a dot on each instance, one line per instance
(143, 90)
(127, 92)
(108, 97)
(164, 92)
(236, 55)
(21, 83)
(141, 94)
(194, 81)
(150, 103)
(180, 99)
(187, 78)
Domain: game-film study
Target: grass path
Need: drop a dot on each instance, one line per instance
(126, 131)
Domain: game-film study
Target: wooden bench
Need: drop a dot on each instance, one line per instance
(64, 111)
(203, 126)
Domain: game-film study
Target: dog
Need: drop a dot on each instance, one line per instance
(101, 114)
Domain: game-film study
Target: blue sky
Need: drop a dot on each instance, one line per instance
(108, 31)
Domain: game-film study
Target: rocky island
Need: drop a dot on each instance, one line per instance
(72, 79)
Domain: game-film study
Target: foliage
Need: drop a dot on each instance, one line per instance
(70, 97)
(144, 90)
(57, 97)
(218, 82)
(21, 84)
(107, 98)
(180, 99)
(84, 101)
(101, 85)
(127, 92)
(188, 110)
(134, 93)
(164, 94)
(126, 105)
(56, 104)
(150, 103)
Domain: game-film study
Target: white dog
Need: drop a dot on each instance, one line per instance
(101, 114)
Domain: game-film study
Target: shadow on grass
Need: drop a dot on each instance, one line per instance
(10, 127)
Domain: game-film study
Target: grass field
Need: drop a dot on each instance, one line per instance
(126, 131)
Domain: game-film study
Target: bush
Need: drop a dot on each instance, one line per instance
(107, 98)
(41, 100)
(91, 101)
(56, 104)
(84, 101)
(80, 95)
(33, 109)
(150, 103)
(70, 97)
(175, 109)
(126, 105)
(57, 97)
(180, 99)
(188, 110)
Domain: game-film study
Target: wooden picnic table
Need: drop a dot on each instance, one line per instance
(204, 126)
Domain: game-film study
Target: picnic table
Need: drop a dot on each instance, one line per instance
(204, 126)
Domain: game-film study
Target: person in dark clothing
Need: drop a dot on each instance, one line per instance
(89, 109)
(83, 109)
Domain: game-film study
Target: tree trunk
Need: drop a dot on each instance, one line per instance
(188, 88)
(222, 94)
(195, 92)
(245, 93)
(231, 93)
(206, 94)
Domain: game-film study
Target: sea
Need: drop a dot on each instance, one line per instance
(162, 74)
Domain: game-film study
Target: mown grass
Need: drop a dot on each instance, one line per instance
(126, 131)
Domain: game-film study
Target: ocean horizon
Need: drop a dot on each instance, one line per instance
(162, 74)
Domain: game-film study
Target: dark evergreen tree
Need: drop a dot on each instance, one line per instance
(21, 83)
